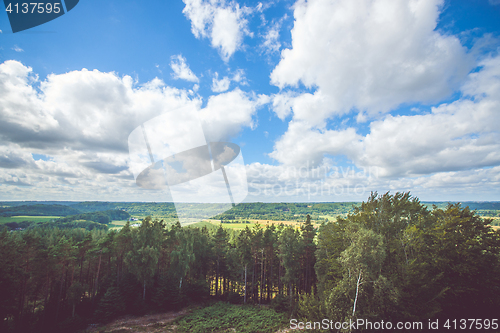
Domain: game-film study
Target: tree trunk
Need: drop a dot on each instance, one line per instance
(280, 285)
(144, 291)
(261, 275)
(97, 278)
(245, 297)
(217, 278)
(60, 291)
(306, 279)
(81, 270)
(253, 278)
(270, 283)
(356, 298)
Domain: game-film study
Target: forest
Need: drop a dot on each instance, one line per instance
(391, 258)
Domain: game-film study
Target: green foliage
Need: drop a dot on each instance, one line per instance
(285, 211)
(146, 243)
(281, 303)
(222, 316)
(39, 210)
(234, 298)
(102, 217)
(197, 291)
(166, 295)
(10, 274)
(311, 308)
(87, 225)
(393, 259)
(110, 306)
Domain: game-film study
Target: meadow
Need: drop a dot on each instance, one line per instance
(9, 219)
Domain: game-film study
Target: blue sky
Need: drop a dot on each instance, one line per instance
(328, 100)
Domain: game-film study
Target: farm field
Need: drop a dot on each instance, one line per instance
(252, 223)
(9, 219)
(239, 217)
(117, 225)
(495, 222)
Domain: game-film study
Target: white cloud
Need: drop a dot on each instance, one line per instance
(239, 77)
(223, 23)
(328, 182)
(227, 113)
(462, 135)
(17, 49)
(301, 144)
(370, 56)
(271, 43)
(181, 69)
(82, 120)
(220, 85)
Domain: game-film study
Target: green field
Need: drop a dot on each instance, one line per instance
(243, 224)
(18, 219)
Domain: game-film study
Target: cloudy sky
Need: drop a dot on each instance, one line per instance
(327, 99)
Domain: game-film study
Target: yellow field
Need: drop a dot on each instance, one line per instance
(496, 220)
(27, 218)
(261, 223)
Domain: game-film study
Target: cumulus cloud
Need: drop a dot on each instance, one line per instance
(369, 56)
(222, 22)
(456, 136)
(220, 85)
(239, 77)
(227, 113)
(271, 43)
(181, 69)
(82, 120)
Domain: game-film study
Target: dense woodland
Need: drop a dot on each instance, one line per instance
(88, 221)
(391, 259)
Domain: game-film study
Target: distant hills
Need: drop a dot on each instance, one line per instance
(39, 209)
(253, 210)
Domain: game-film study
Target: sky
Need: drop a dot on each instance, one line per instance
(328, 100)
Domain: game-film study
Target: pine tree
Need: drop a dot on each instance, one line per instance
(111, 305)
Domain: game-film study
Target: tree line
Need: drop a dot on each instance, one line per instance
(391, 259)
(61, 279)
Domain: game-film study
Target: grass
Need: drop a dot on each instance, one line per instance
(202, 224)
(120, 223)
(223, 317)
(251, 224)
(18, 219)
(219, 317)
